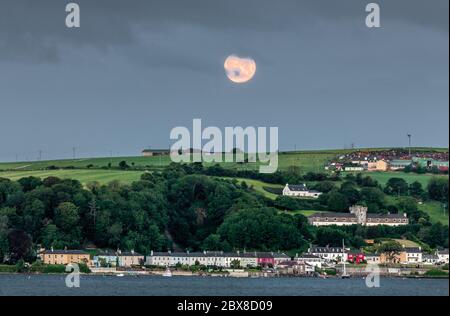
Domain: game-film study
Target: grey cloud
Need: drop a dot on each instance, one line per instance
(35, 30)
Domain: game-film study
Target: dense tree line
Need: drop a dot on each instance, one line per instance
(184, 207)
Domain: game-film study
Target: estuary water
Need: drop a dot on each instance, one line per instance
(91, 285)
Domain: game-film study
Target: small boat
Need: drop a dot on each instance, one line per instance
(120, 275)
(167, 273)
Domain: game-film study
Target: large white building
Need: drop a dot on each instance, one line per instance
(215, 258)
(358, 215)
(300, 191)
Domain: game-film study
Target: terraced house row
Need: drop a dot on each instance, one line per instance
(216, 258)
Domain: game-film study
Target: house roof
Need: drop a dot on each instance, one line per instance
(297, 187)
(326, 250)
(130, 254)
(443, 252)
(401, 162)
(427, 256)
(156, 151)
(333, 214)
(65, 252)
(413, 250)
(107, 254)
(307, 256)
(398, 215)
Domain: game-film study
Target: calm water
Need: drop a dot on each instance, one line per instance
(204, 286)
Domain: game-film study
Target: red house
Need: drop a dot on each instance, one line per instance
(356, 257)
(265, 259)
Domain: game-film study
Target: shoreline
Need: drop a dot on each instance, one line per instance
(281, 276)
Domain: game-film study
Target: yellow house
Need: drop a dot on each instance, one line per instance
(397, 258)
(65, 256)
(378, 165)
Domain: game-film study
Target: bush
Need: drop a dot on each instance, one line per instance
(54, 268)
(436, 273)
(330, 271)
(4, 268)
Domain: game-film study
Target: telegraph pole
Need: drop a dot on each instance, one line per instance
(74, 150)
(409, 144)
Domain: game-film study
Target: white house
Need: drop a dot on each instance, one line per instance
(161, 259)
(310, 260)
(300, 191)
(372, 258)
(443, 256)
(354, 168)
(430, 259)
(413, 255)
(329, 254)
(107, 258)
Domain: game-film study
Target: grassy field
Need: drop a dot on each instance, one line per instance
(84, 176)
(436, 211)
(305, 161)
(258, 186)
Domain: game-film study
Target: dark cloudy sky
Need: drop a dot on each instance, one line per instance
(137, 68)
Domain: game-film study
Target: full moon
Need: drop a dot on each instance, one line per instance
(239, 70)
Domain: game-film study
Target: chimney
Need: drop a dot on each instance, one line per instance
(151, 253)
(405, 215)
(187, 251)
(119, 251)
(132, 251)
(52, 248)
(204, 252)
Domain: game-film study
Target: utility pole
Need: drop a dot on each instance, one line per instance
(409, 144)
(74, 151)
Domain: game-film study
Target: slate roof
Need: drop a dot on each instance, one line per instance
(413, 250)
(297, 187)
(130, 254)
(443, 252)
(65, 252)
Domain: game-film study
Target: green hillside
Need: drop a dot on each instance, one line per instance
(83, 175)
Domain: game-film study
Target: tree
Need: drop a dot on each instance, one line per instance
(212, 242)
(337, 202)
(235, 264)
(324, 186)
(374, 198)
(396, 186)
(50, 236)
(29, 183)
(4, 244)
(351, 193)
(438, 189)
(330, 236)
(262, 229)
(19, 245)
(416, 190)
(391, 249)
(123, 165)
(66, 216)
